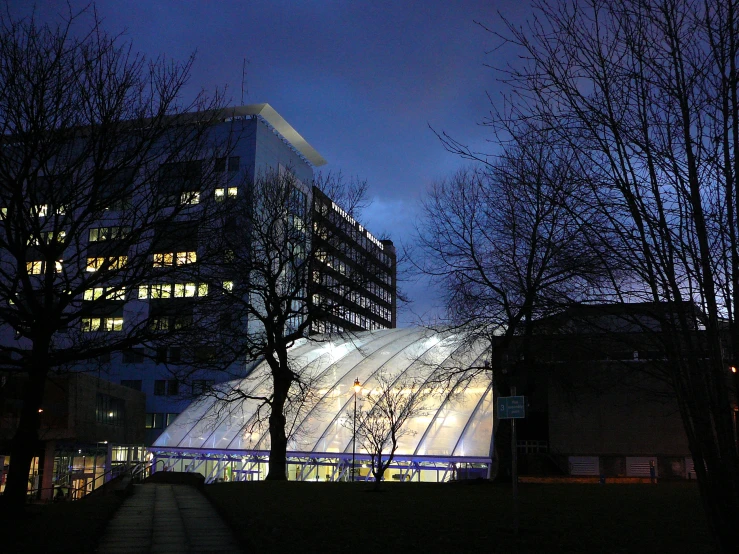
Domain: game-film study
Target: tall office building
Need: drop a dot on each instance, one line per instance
(345, 250)
(254, 141)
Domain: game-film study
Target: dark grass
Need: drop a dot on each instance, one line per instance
(420, 517)
(55, 528)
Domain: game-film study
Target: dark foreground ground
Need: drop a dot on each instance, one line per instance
(411, 517)
(419, 517)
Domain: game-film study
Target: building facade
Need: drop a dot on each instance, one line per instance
(240, 145)
(354, 268)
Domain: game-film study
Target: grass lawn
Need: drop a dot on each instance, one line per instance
(421, 517)
(55, 528)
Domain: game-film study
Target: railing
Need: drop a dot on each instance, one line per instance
(137, 471)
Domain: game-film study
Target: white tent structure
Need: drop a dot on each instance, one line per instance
(451, 437)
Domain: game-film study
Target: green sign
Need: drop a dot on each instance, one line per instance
(511, 407)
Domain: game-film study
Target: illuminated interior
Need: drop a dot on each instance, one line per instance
(450, 437)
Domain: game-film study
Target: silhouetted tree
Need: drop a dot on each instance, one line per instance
(386, 407)
(646, 93)
(267, 261)
(98, 159)
(510, 241)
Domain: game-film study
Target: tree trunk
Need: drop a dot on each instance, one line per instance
(25, 443)
(278, 436)
(378, 471)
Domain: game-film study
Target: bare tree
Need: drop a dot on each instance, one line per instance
(380, 421)
(99, 160)
(645, 91)
(268, 260)
(511, 241)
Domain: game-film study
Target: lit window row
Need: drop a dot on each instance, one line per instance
(352, 317)
(47, 238)
(173, 290)
(42, 210)
(108, 233)
(356, 296)
(327, 327)
(168, 259)
(368, 269)
(109, 262)
(320, 229)
(37, 267)
(90, 324)
(222, 194)
(381, 292)
(108, 293)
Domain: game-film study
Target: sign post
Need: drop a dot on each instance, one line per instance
(513, 407)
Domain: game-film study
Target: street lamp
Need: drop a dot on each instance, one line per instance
(357, 388)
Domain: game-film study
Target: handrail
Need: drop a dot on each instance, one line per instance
(137, 470)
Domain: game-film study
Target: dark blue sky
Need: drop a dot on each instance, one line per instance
(360, 80)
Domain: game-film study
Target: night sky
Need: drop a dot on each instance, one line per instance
(362, 81)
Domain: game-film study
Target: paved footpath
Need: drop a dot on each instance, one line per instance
(167, 519)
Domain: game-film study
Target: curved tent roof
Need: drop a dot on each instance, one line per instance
(449, 426)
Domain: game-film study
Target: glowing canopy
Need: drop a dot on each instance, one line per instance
(450, 426)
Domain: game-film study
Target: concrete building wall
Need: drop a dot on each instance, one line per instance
(618, 414)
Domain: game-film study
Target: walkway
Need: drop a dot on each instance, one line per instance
(167, 519)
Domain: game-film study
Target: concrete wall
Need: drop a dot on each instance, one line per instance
(607, 408)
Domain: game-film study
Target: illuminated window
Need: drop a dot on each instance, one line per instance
(230, 192)
(161, 290)
(38, 267)
(173, 290)
(34, 268)
(108, 233)
(116, 294)
(90, 324)
(186, 258)
(108, 293)
(190, 197)
(228, 285)
(113, 323)
(40, 210)
(112, 262)
(3, 213)
(163, 260)
(167, 259)
(47, 238)
(94, 294)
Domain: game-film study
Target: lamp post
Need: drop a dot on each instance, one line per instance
(357, 388)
